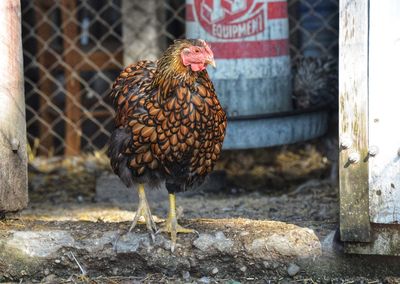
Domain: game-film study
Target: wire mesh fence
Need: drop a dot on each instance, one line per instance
(73, 50)
(314, 28)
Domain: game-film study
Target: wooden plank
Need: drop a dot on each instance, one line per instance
(385, 240)
(353, 119)
(100, 60)
(44, 32)
(99, 113)
(384, 114)
(13, 154)
(94, 61)
(73, 89)
(141, 20)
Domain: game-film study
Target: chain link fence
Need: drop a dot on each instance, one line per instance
(314, 28)
(74, 49)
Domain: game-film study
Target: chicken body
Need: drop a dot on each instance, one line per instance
(169, 125)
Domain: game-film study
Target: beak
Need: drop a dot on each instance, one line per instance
(211, 62)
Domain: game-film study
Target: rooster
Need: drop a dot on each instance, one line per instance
(169, 126)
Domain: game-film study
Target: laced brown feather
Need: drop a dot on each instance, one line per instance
(172, 118)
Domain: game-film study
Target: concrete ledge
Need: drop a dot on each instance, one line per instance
(226, 247)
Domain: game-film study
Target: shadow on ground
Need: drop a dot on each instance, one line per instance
(271, 219)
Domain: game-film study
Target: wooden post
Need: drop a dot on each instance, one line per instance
(384, 111)
(13, 155)
(44, 32)
(353, 121)
(383, 138)
(73, 88)
(140, 20)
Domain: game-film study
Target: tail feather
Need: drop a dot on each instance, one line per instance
(119, 142)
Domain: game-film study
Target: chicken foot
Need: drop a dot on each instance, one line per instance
(171, 224)
(144, 210)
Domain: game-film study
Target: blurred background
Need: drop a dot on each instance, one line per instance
(73, 50)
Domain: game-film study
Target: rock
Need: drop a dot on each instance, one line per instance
(130, 242)
(186, 275)
(213, 252)
(31, 243)
(49, 279)
(295, 242)
(219, 242)
(205, 280)
(293, 269)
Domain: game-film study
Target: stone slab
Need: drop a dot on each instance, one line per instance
(229, 246)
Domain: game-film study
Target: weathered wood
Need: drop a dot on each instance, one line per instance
(100, 60)
(384, 114)
(385, 240)
(73, 89)
(13, 155)
(141, 23)
(44, 32)
(93, 61)
(353, 119)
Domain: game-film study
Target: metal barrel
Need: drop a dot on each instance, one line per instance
(249, 39)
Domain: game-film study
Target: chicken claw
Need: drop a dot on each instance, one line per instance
(144, 210)
(171, 224)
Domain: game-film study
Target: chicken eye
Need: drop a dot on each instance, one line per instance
(197, 50)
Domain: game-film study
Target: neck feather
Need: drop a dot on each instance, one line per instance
(171, 73)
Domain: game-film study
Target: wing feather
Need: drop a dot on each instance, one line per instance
(180, 137)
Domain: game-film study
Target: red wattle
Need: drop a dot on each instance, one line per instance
(197, 66)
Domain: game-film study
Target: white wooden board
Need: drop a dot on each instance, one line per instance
(384, 111)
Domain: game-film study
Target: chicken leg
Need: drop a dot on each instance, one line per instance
(144, 210)
(171, 224)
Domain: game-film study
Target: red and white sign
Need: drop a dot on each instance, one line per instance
(241, 30)
(230, 19)
(233, 20)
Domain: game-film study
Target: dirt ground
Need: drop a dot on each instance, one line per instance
(290, 184)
